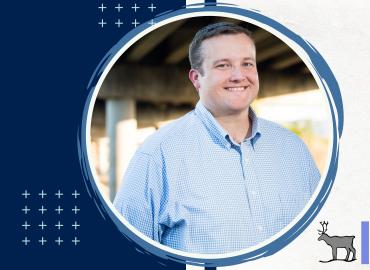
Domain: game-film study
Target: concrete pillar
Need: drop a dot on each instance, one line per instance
(101, 162)
(103, 156)
(121, 130)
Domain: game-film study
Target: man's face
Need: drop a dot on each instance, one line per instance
(230, 80)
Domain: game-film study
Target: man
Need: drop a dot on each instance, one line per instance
(219, 179)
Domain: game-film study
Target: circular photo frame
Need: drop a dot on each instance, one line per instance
(324, 79)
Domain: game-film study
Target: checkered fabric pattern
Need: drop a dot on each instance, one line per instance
(192, 188)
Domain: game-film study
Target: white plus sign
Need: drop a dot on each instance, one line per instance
(26, 209)
(102, 23)
(59, 225)
(42, 241)
(42, 194)
(75, 194)
(58, 209)
(75, 209)
(42, 209)
(75, 241)
(42, 225)
(119, 7)
(59, 194)
(26, 194)
(102, 7)
(118, 23)
(135, 23)
(26, 241)
(59, 241)
(76, 225)
(151, 22)
(26, 225)
(135, 7)
(151, 7)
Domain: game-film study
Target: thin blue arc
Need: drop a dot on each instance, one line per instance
(331, 88)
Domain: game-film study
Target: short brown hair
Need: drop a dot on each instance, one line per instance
(212, 30)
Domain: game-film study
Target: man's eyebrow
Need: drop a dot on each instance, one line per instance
(228, 60)
(249, 58)
(221, 60)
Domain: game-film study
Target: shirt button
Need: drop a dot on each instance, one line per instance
(260, 228)
(254, 193)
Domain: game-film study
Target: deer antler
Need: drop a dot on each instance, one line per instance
(324, 226)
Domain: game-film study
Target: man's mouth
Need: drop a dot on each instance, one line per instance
(236, 89)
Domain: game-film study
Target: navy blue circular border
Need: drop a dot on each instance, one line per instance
(332, 91)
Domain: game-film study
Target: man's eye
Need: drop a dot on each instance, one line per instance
(222, 66)
(248, 64)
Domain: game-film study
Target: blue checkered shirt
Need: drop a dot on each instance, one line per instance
(192, 188)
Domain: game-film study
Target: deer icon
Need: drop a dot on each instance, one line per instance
(337, 242)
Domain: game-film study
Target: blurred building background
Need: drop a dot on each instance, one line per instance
(148, 87)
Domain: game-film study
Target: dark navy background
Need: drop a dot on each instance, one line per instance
(49, 51)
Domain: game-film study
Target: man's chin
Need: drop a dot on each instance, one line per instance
(236, 110)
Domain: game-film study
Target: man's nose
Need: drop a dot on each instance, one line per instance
(237, 74)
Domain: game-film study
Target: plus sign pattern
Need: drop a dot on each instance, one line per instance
(128, 14)
(50, 218)
(59, 44)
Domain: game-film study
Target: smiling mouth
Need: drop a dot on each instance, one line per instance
(236, 89)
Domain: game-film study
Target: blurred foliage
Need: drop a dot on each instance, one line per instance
(318, 145)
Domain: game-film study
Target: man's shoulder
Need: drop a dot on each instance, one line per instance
(173, 133)
(272, 130)
(286, 144)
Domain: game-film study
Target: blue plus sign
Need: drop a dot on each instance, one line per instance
(102, 7)
(135, 23)
(151, 7)
(102, 23)
(135, 7)
(42, 194)
(118, 7)
(26, 194)
(118, 23)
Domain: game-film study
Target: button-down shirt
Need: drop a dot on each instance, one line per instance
(192, 188)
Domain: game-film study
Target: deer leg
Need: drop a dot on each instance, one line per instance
(348, 251)
(353, 253)
(334, 252)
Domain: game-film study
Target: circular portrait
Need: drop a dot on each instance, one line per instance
(209, 136)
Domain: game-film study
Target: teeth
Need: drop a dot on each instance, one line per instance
(235, 89)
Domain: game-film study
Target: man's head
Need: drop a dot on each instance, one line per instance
(209, 31)
(223, 68)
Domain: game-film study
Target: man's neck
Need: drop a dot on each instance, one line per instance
(238, 126)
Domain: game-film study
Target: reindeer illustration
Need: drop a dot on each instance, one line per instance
(337, 242)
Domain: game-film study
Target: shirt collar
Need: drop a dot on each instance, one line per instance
(217, 131)
(256, 130)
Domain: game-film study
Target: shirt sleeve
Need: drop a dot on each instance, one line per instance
(311, 172)
(139, 198)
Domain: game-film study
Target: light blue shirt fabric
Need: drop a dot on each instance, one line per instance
(190, 187)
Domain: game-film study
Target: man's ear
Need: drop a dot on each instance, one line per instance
(194, 78)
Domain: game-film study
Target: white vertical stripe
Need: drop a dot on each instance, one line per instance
(192, 267)
(195, 2)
